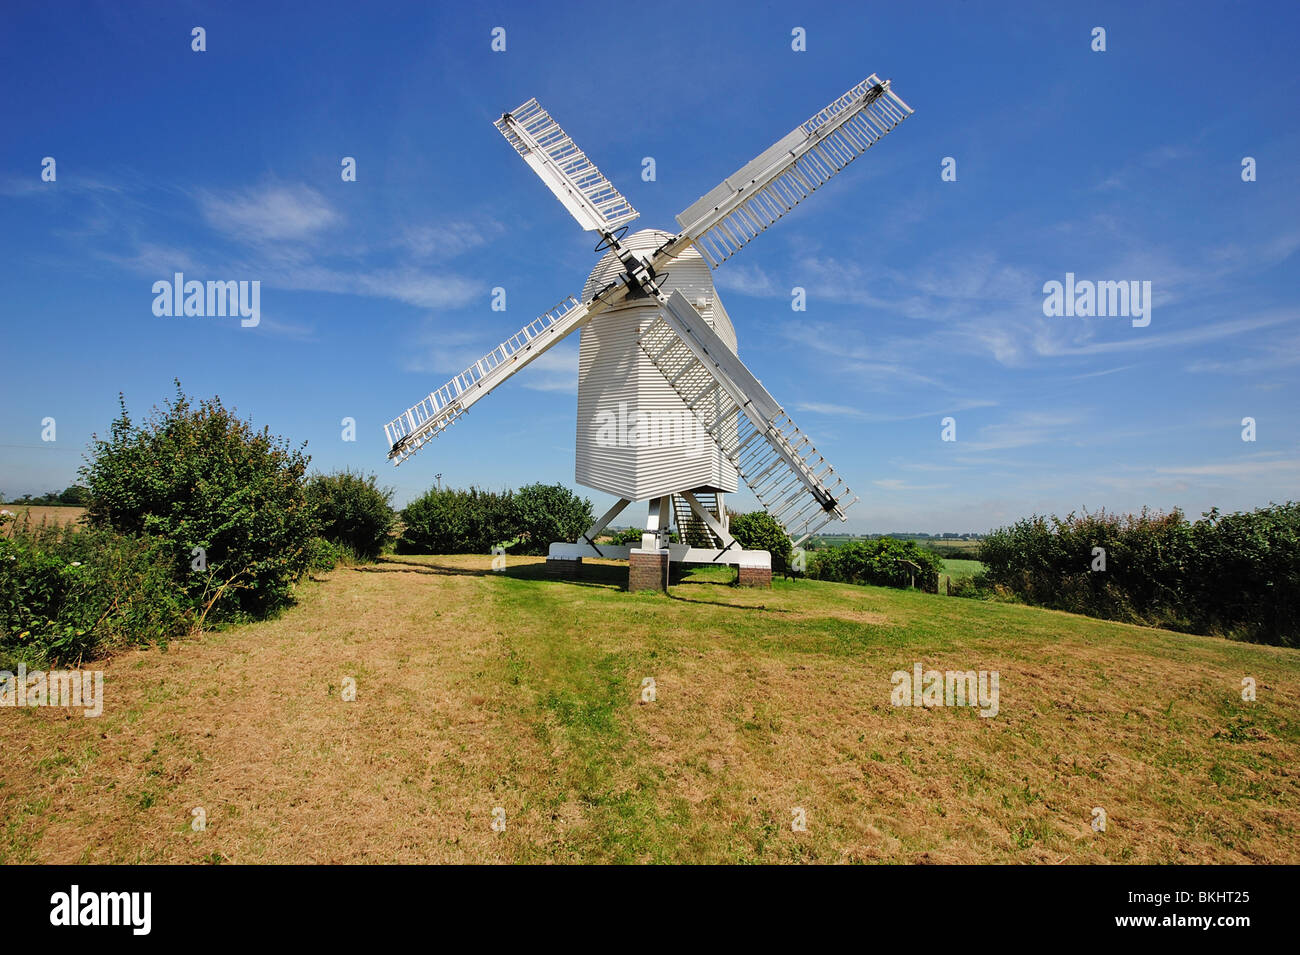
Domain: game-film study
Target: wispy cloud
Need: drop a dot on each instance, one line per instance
(1020, 431)
(1254, 467)
(448, 239)
(1269, 355)
(848, 411)
(747, 280)
(268, 213)
(895, 484)
(1149, 161)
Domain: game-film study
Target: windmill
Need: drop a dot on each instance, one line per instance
(667, 412)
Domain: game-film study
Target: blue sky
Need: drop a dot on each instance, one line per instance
(925, 297)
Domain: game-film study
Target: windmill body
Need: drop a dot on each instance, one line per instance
(636, 437)
(667, 411)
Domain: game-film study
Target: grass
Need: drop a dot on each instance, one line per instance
(956, 568)
(479, 690)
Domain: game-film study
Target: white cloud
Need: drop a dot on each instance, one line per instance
(894, 484)
(1021, 430)
(268, 213)
(747, 280)
(447, 239)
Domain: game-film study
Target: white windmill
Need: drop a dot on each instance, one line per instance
(666, 410)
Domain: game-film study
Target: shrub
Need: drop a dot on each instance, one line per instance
(548, 512)
(325, 554)
(68, 594)
(198, 477)
(628, 535)
(352, 511)
(453, 521)
(885, 560)
(1236, 574)
(758, 530)
(632, 536)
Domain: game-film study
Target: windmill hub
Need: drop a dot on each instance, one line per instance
(657, 344)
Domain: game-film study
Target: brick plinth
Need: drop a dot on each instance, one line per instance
(564, 566)
(755, 577)
(647, 570)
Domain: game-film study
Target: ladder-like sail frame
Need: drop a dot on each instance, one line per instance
(428, 418)
(794, 483)
(734, 212)
(565, 169)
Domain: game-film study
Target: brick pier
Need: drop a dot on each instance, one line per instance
(754, 577)
(568, 567)
(647, 570)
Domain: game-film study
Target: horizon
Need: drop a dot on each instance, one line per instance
(927, 299)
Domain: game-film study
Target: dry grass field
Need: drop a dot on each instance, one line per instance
(478, 690)
(37, 514)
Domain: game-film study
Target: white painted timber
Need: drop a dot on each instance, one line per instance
(635, 437)
(677, 553)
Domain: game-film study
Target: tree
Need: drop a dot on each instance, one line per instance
(546, 513)
(230, 501)
(453, 521)
(758, 530)
(353, 511)
(75, 496)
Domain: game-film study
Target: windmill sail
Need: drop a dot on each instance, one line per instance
(744, 204)
(777, 461)
(566, 170)
(414, 428)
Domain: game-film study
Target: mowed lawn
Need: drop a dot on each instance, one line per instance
(479, 691)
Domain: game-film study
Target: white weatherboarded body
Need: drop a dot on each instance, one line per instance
(636, 437)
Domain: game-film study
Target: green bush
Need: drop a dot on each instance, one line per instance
(67, 594)
(758, 530)
(198, 477)
(1236, 574)
(453, 521)
(352, 511)
(885, 560)
(325, 554)
(544, 513)
(632, 536)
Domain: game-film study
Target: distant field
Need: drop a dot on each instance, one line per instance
(39, 514)
(834, 540)
(972, 546)
(956, 568)
(480, 691)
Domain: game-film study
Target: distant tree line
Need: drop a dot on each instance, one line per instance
(75, 495)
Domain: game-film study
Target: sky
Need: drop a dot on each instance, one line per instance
(924, 294)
